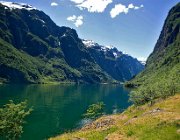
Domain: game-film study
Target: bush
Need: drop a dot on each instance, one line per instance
(12, 119)
(142, 95)
(94, 110)
(161, 89)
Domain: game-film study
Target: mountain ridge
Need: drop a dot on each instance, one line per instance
(52, 53)
(123, 66)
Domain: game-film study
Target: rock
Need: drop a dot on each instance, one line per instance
(156, 110)
(103, 123)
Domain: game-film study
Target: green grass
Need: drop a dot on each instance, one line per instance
(153, 130)
(90, 135)
(160, 132)
(94, 135)
(137, 123)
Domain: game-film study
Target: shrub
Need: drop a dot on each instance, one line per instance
(12, 119)
(94, 110)
(163, 88)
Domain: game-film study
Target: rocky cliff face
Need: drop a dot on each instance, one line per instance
(35, 50)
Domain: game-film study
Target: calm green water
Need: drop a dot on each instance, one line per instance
(58, 108)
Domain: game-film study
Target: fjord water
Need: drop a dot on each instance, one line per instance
(59, 108)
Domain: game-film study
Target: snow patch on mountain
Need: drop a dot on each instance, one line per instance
(109, 47)
(115, 54)
(13, 5)
(89, 43)
(106, 49)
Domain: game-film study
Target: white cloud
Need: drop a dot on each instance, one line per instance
(71, 18)
(92, 5)
(136, 7)
(120, 8)
(54, 4)
(131, 6)
(77, 20)
(77, 1)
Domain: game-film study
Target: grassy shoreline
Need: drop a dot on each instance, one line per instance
(160, 121)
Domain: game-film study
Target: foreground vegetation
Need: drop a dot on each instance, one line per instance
(94, 111)
(162, 88)
(12, 119)
(160, 121)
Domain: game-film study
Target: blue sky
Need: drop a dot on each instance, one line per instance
(133, 26)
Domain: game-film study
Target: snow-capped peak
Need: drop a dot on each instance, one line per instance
(125, 53)
(115, 54)
(89, 43)
(109, 47)
(13, 5)
(106, 49)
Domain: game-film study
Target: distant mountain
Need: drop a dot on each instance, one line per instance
(142, 62)
(164, 61)
(35, 50)
(118, 65)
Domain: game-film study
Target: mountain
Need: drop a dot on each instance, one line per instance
(120, 66)
(35, 50)
(164, 61)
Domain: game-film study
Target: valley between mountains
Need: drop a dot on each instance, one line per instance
(115, 96)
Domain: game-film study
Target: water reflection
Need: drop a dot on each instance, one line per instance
(58, 108)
